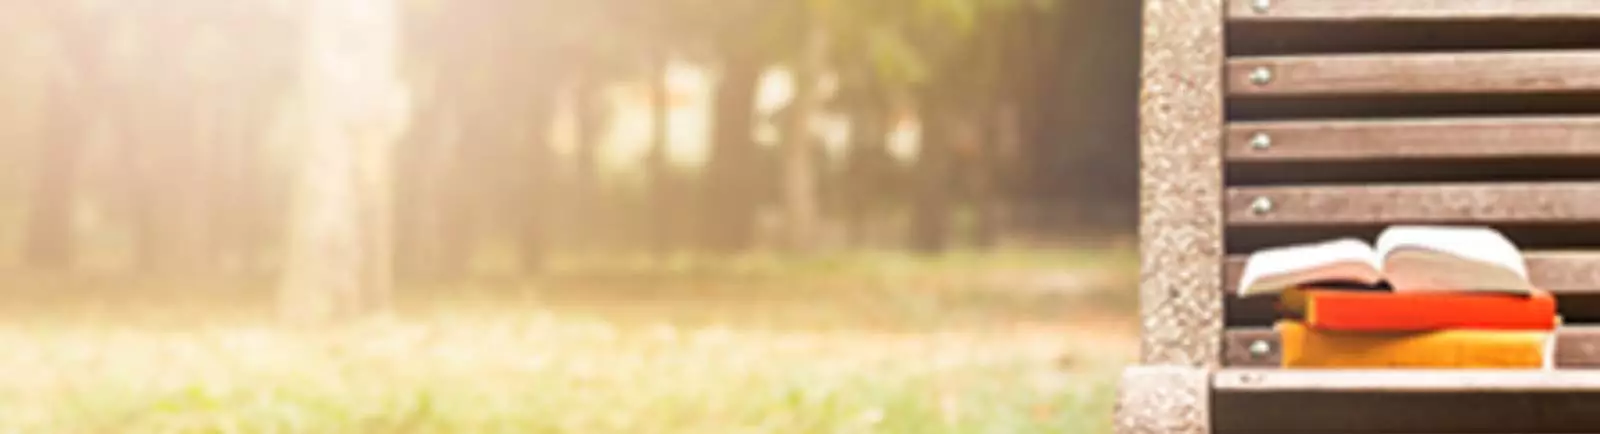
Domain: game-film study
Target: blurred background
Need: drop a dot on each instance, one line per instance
(585, 216)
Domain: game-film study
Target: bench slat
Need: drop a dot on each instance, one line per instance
(1551, 202)
(1236, 380)
(1564, 71)
(1561, 272)
(1577, 347)
(1410, 10)
(1464, 411)
(1574, 136)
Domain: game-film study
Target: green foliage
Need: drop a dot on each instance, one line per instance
(901, 40)
(905, 44)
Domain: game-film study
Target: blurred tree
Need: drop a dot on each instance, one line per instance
(167, 126)
(737, 38)
(246, 95)
(22, 86)
(55, 187)
(591, 45)
(178, 160)
(1094, 108)
(946, 56)
(659, 180)
(184, 92)
(434, 216)
(352, 107)
(867, 188)
(50, 241)
(478, 155)
(663, 33)
(963, 105)
(800, 142)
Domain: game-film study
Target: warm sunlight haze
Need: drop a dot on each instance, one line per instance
(566, 216)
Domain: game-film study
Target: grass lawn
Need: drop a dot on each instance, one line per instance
(996, 347)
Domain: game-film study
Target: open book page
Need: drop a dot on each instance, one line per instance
(1431, 258)
(1272, 271)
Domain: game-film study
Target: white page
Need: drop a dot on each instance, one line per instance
(1271, 271)
(1432, 258)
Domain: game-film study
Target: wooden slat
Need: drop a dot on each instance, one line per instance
(1577, 347)
(1530, 237)
(1251, 312)
(1426, 431)
(1405, 381)
(1310, 37)
(1575, 136)
(1429, 73)
(1413, 10)
(1564, 202)
(1561, 272)
(1464, 412)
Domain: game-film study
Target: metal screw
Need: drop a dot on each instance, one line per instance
(1260, 349)
(1261, 6)
(1261, 141)
(1261, 205)
(1261, 76)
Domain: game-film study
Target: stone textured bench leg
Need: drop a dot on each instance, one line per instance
(1181, 190)
(1181, 185)
(1164, 400)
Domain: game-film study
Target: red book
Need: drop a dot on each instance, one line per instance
(1426, 311)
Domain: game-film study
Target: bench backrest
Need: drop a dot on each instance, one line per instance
(1267, 122)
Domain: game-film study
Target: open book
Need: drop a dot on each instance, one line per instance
(1406, 258)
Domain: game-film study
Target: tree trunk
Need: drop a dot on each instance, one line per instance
(989, 173)
(800, 146)
(414, 242)
(49, 238)
(353, 107)
(50, 244)
(172, 124)
(930, 218)
(175, 219)
(535, 174)
(248, 230)
(661, 203)
(527, 162)
(433, 212)
(869, 175)
(583, 200)
(232, 194)
(729, 185)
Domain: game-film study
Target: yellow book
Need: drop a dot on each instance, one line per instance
(1303, 347)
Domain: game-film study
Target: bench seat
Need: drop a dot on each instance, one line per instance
(1273, 122)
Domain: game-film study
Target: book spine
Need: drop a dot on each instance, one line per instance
(1303, 347)
(1392, 312)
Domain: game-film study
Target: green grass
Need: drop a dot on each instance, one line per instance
(836, 264)
(813, 352)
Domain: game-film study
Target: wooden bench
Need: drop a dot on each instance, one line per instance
(1265, 122)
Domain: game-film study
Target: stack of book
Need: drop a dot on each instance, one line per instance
(1423, 297)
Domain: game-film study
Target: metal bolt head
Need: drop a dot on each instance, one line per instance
(1261, 141)
(1261, 205)
(1261, 6)
(1259, 349)
(1261, 76)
